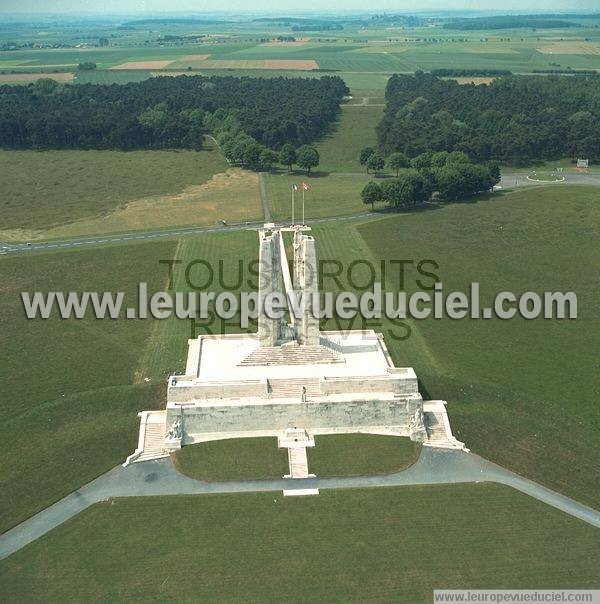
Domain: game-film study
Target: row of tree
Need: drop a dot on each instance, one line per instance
(450, 175)
(241, 149)
(166, 112)
(513, 119)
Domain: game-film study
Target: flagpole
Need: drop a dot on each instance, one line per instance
(292, 206)
(303, 221)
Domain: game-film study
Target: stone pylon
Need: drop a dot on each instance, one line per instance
(306, 283)
(270, 280)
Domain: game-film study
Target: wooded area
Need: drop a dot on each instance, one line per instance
(512, 119)
(165, 112)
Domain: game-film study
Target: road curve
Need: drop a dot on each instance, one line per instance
(152, 478)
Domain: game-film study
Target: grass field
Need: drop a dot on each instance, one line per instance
(340, 148)
(337, 182)
(394, 544)
(333, 455)
(69, 389)
(518, 390)
(69, 193)
(329, 195)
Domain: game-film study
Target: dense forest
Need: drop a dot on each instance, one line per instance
(165, 112)
(513, 119)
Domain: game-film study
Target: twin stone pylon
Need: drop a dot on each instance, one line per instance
(275, 288)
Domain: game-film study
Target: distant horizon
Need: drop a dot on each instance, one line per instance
(240, 8)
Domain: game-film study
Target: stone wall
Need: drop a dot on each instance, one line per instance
(310, 415)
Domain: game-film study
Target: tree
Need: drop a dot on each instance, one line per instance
(439, 159)
(408, 190)
(268, 159)
(456, 181)
(365, 154)
(287, 156)
(308, 158)
(45, 85)
(154, 117)
(398, 160)
(86, 66)
(457, 157)
(251, 155)
(371, 193)
(376, 162)
(422, 161)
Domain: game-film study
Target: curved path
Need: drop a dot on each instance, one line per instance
(434, 466)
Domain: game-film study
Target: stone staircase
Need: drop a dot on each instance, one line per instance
(439, 432)
(292, 387)
(291, 355)
(298, 462)
(436, 430)
(151, 441)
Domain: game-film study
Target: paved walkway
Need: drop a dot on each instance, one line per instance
(263, 197)
(435, 466)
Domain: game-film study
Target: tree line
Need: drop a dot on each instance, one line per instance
(512, 119)
(448, 175)
(166, 112)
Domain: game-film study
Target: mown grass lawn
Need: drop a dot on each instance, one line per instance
(329, 195)
(339, 150)
(522, 392)
(392, 544)
(70, 389)
(332, 455)
(361, 454)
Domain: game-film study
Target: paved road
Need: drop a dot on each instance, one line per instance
(43, 246)
(519, 179)
(435, 466)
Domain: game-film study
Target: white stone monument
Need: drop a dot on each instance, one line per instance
(290, 377)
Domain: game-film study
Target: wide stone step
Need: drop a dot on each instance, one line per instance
(291, 355)
(288, 388)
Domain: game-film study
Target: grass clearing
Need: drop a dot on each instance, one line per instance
(75, 192)
(232, 196)
(332, 455)
(354, 130)
(393, 544)
(68, 399)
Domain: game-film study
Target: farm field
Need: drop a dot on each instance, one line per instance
(68, 193)
(70, 389)
(364, 58)
(396, 544)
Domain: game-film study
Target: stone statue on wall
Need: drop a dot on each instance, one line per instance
(175, 432)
